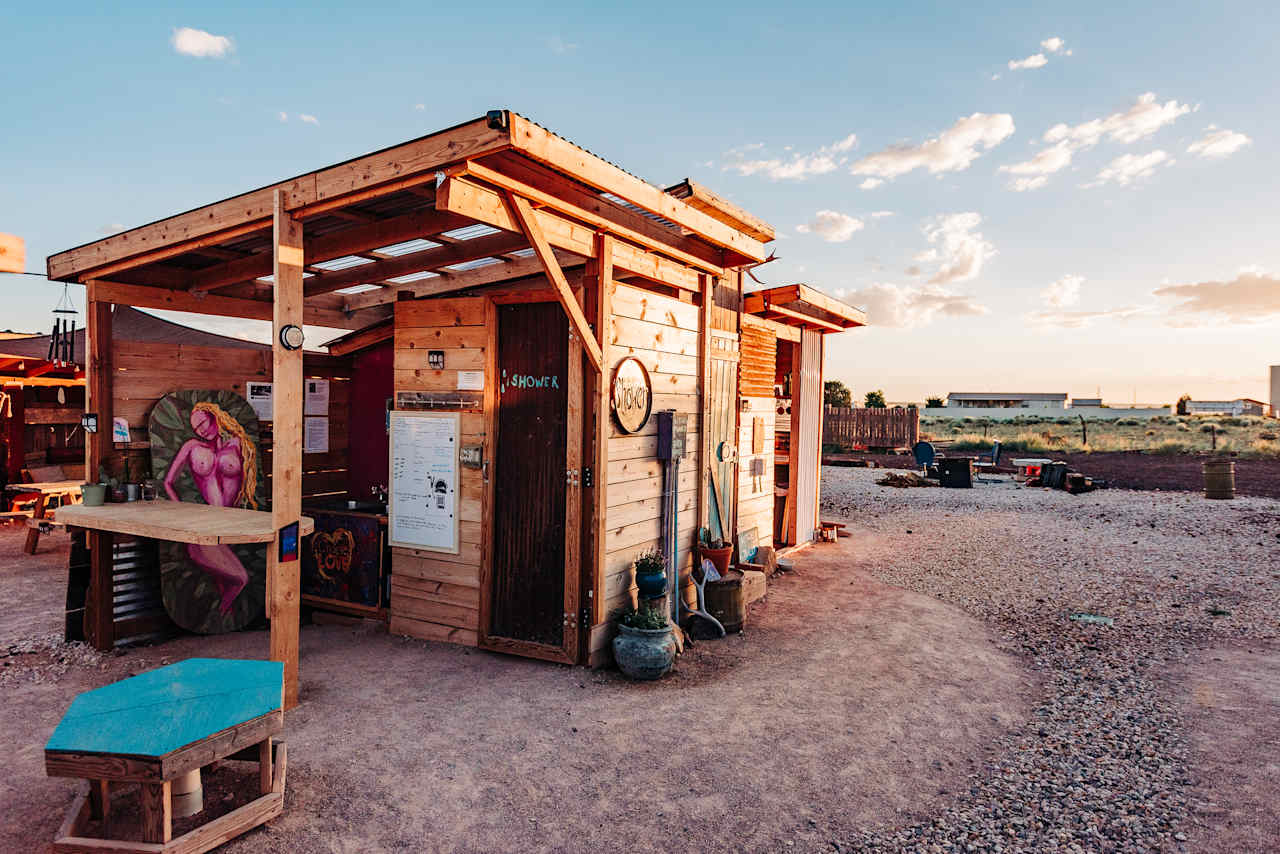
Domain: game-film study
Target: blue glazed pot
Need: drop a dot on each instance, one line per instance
(644, 653)
(652, 584)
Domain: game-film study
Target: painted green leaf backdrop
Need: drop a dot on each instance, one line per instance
(189, 594)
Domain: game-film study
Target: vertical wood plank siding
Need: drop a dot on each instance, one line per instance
(871, 428)
(436, 596)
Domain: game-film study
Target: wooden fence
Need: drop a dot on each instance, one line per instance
(870, 428)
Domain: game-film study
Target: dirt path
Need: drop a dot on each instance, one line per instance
(845, 703)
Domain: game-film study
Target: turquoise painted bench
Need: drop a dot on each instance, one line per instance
(158, 726)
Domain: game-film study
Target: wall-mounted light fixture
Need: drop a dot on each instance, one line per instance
(291, 336)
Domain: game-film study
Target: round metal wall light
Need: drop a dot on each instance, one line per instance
(291, 336)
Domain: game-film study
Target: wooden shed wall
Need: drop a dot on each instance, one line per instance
(662, 332)
(436, 596)
(144, 372)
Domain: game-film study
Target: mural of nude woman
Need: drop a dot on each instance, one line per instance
(223, 464)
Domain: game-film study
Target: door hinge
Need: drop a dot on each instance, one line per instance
(571, 477)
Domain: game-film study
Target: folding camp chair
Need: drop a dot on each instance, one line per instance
(986, 460)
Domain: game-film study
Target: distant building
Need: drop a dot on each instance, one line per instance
(1086, 402)
(1239, 406)
(1005, 400)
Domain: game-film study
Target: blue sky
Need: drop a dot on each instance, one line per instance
(972, 284)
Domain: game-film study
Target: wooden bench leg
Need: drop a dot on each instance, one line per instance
(100, 803)
(33, 534)
(264, 767)
(157, 812)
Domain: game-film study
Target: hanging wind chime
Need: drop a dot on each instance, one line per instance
(62, 343)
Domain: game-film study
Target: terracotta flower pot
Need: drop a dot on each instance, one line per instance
(719, 558)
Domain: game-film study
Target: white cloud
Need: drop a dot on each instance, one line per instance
(309, 119)
(958, 250)
(1248, 298)
(1219, 143)
(559, 46)
(1127, 168)
(1053, 44)
(1023, 185)
(284, 117)
(871, 183)
(1033, 171)
(881, 214)
(419, 106)
(193, 42)
(890, 305)
(797, 166)
(832, 226)
(1078, 319)
(1144, 118)
(1063, 292)
(1036, 60)
(951, 151)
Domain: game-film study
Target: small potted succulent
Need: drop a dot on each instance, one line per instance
(644, 647)
(651, 574)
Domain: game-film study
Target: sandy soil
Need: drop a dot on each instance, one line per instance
(846, 702)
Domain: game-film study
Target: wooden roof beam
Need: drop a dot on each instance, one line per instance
(351, 241)
(483, 204)
(564, 156)
(141, 296)
(458, 281)
(431, 259)
(524, 214)
(371, 175)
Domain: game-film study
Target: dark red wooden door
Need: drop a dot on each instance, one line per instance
(527, 579)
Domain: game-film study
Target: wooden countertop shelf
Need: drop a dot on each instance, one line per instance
(179, 522)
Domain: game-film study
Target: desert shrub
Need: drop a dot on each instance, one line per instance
(1263, 448)
(1151, 432)
(1127, 422)
(957, 429)
(1169, 447)
(1267, 437)
(1206, 428)
(967, 420)
(1062, 421)
(1183, 428)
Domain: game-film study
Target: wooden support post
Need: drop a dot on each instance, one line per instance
(598, 279)
(264, 766)
(523, 213)
(284, 581)
(100, 800)
(99, 617)
(157, 811)
(15, 433)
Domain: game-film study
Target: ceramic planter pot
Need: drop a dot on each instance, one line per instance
(644, 653)
(652, 582)
(93, 494)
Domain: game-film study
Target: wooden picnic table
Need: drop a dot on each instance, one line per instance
(62, 489)
(161, 727)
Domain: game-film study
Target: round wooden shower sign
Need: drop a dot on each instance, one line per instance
(632, 395)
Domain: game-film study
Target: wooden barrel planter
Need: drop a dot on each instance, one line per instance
(1219, 479)
(727, 601)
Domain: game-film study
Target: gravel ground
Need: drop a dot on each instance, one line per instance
(1106, 761)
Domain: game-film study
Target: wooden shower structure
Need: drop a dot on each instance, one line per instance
(489, 251)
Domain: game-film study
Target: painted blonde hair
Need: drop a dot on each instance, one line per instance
(228, 426)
